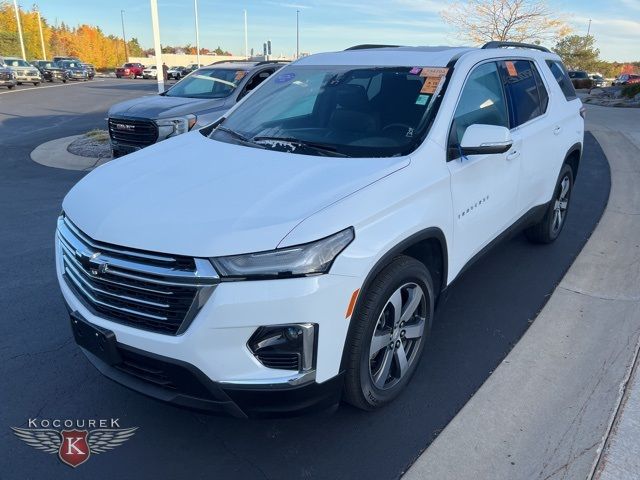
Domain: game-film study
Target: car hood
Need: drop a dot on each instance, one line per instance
(194, 196)
(160, 106)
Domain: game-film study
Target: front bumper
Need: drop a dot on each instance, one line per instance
(213, 350)
(5, 83)
(28, 78)
(183, 385)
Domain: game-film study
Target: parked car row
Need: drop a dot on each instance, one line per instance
(135, 70)
(16, 71)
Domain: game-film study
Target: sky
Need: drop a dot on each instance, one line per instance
(327, 24)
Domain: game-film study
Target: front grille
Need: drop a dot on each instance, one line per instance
(283, 361)
(156, 292)
(140, 133)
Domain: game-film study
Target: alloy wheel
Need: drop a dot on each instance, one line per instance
(561, 205)
(396, 338)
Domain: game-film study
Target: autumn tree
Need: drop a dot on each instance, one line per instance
(578, 52)
(481, 21)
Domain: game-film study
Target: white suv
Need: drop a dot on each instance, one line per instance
(294, 255)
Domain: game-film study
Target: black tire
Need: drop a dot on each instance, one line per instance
(548, 229)
(10, 86)
(35, 84)
(19, 83)
(360, 388)
(64, 81)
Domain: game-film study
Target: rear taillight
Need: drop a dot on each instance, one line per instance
(583, 111)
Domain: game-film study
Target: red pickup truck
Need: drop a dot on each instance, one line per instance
(131, 70)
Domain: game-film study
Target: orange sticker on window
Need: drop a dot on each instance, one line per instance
(240, 75)
(511, 69)
(434, 72)
(431, 84)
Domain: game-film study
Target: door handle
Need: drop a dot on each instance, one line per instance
(513, 155)
(557, 130)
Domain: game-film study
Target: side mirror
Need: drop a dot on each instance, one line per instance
(485, 140)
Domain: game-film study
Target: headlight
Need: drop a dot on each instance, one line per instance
(302, 260)
(168, 127)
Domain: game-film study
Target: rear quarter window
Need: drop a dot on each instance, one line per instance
(561, 76)
(525, 89)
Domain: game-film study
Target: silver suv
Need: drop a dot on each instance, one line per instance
(197, 100)
(23, 71)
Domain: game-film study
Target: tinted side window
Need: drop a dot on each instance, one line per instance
(482, 102)
(522, 89)
(560, 74)
(542, 90)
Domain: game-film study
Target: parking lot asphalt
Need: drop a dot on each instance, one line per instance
(44, 375)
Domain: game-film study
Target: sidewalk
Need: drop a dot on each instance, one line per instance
(547, 410)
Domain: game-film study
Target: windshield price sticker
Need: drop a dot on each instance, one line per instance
(415, 70)
(431, 84)
(434, 72)
(285, 77)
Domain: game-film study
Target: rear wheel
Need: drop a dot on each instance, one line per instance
(35, 84)
(549, 228)
(10, 86)
(390, 330)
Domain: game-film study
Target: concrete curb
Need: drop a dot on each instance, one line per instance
(546, 411)
(55, 154)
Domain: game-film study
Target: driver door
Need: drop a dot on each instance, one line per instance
(484, 187)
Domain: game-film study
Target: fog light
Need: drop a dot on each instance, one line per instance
(285, 347)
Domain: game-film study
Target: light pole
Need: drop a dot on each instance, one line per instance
(297, 34)
(589, 28)
(44, 53)
(246, 38)
(155, 24)
(15, 6)
(195, 7)
(124, 38)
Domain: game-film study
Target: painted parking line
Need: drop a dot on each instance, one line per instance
(31, 89)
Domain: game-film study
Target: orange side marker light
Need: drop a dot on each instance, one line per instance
(352, 303)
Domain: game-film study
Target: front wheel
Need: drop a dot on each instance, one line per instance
(35, 84)
(391, 324)
(549, 228)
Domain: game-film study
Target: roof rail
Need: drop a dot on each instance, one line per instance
(497, 44)
(229, 61)
(367, 46)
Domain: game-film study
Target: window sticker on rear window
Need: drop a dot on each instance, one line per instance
(511, 69)
(285, 77)
(240, 75)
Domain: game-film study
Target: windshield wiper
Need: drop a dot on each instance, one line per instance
(239, 136)
(327, 150)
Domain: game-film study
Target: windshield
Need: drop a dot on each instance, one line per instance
(349, 110)
(16, 63)
(68, 64)
(208, 83)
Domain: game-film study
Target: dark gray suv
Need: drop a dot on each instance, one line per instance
(195, 101)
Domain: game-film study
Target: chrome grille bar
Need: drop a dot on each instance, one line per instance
(156, 292)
